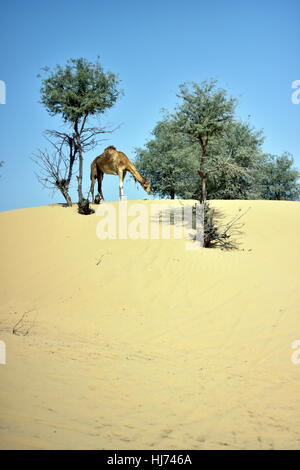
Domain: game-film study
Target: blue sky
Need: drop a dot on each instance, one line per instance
(250, 47)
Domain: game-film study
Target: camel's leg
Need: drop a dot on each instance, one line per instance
(93, 180)
(121, 179)
(100, 178)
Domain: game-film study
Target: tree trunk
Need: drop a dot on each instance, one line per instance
(203, 193)
(72, 156)
(79, 177)
(80, 158)
(80, 169)
(66, 195)
(203, 190)
(172, 194)
(202, 175)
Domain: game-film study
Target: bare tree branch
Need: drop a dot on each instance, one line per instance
(55, 169)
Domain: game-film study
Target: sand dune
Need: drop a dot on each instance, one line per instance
(144, 344)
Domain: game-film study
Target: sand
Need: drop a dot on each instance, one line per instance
(144, 344)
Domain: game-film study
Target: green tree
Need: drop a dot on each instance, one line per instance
(78, 91)
(278, 178)
(241, 145)
(204, 114)
(168, 161)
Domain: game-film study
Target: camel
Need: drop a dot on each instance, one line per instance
(113, 162)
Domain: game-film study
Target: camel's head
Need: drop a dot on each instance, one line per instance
(146, 186)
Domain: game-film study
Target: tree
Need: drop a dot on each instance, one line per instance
(55, 168)
(168, 162)
(203, 115)
(278, 179)
(78, 91)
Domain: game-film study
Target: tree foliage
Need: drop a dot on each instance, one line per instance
(78, 90)
(278, 178)
(168, 162)
(241, 145)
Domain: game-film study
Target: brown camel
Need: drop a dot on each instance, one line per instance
(113, 162)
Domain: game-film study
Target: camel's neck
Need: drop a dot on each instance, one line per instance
(136, 174)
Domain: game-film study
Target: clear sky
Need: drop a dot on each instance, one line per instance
(251, 48)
